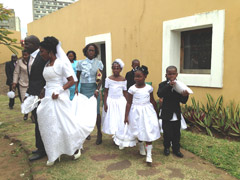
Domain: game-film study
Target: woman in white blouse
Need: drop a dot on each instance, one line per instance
(87, 70)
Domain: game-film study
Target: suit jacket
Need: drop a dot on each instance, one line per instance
(9, 69)
(36, 79)
(20, 74)
(171, 101)
(130, 79)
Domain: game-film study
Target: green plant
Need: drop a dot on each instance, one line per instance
(5, 14)
(214, 116)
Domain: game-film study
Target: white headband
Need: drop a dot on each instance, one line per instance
(120, 62)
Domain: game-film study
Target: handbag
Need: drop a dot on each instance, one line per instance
(98, 76)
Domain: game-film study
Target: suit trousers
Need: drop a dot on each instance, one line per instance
(171, 134)
(11, 100)
(39, 142)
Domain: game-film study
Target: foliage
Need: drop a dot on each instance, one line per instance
(214, 116)
(5, 14)
(220, 152)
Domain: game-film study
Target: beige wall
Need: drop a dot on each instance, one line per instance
(136, 32)
(5, 53)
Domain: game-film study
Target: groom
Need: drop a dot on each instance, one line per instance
(35, 68)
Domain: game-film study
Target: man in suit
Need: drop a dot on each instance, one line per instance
(35, 68)
(9, 69)
(130, 75)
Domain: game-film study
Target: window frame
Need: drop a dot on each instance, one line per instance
(172, 41)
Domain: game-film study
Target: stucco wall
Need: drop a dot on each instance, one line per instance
(136, 32)
(5, 53)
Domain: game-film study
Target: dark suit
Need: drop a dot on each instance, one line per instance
(9, 69)
(171, 104)
(36, 84)
(130, 79)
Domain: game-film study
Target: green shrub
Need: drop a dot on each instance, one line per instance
(214, 116)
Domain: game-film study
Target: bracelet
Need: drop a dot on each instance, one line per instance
(97, 90)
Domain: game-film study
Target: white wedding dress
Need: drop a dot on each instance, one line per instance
(64, 124)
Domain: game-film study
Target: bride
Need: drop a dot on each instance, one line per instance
(64, 125)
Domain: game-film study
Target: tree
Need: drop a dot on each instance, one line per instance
(5, 14)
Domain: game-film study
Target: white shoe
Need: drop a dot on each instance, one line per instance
(141, 149)
(49, 163)
(76, 156)
(149, 154)
(52, 163)
(149, 159)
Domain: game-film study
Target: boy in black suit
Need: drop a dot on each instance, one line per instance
(130, 75)
(171, 111)
(9, 69)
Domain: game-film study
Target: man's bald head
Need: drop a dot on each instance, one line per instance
(31, 43)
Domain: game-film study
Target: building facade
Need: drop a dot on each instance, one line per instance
(13, 23)
(43, 7)
(199, 37)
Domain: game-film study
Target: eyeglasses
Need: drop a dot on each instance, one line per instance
(93, 50)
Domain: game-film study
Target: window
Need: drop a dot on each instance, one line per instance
(183, 41)
(196, 47)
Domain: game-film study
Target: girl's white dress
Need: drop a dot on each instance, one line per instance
(113, 119)
(64, 124)
(143, 121)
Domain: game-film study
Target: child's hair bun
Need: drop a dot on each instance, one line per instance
(144, 69)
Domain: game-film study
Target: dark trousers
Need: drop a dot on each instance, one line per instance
(39, 142)
(12, 100)
(171, 133)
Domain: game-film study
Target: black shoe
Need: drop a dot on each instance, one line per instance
(89, 137)
(35, 151)
(99, 139)
(33, 119)
(178, 154)
(166, 151)
(37, 156)
(25, 117)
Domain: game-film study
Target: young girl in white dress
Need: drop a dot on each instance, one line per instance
(142, 114)
(114, 100)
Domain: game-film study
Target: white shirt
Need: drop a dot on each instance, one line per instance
(31, 59)
(174, 118)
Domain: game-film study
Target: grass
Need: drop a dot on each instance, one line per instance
(222, 153)
(124, 164)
